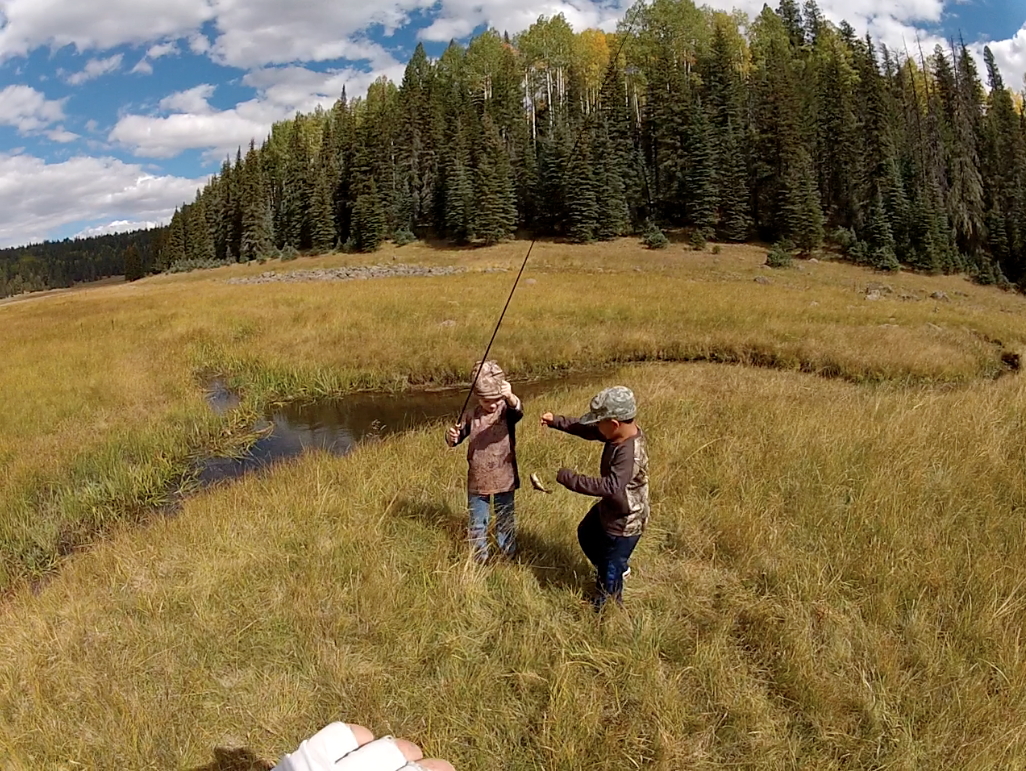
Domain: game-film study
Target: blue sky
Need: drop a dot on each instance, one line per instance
(113, 112)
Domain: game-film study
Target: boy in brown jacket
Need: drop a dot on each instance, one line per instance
(492, 472)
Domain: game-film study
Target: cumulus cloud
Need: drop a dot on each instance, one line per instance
(194, 124)
(91, 24)
(61, 135)
(163, 49)
(145, 66)
(118, 226)
(259, 32)
(37, 197)
(1010, 56)
(218, 131)
(28, 110)
(290, 89)
(194, 100)
(458, 18)
(95, 68)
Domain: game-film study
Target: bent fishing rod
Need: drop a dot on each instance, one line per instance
(628, 30)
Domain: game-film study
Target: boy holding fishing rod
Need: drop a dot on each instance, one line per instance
(492, 473)
(612, 527)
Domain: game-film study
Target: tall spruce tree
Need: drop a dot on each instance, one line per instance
(368, 219)
(495, 214)
(133, 263)
(700, 175)
(298, 191)
(459, 188)
(322, 222)
(174, 248)
(257, 224)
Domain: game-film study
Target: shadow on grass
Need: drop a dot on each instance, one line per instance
(435, 514)
(240, 759)
(554, 564)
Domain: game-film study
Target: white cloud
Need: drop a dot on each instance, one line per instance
(218, 132)
(96, 68)
(36, 198)
(258, 32)
(192, 101)
(199, 44)
(118, 226)
(62, 135)
(27, 109)
(1010, 56)
(87, 24)
(458, 18)
(163, 49)
(296, 88)
(145, 66)
(196, 125)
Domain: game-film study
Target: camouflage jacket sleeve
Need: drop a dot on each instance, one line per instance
(612, 485)
(574, 428)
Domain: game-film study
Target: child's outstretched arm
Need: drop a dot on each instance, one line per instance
(572, 426)
(611, 485)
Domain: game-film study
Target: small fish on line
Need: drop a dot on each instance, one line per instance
(537, 485)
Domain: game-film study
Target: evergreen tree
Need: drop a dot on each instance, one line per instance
(198, 243)
(174, 251)
(613, 209)
(792, 18)
(554, 155)
(368, 220)
(495, 214)
(234, 207)
(735, 221)
(799, 206)
(133, 263)
(257, 220)
(459, 190)
(785, 206)
(702, 199)
(298, 193)
(322, 222)
(581, 194)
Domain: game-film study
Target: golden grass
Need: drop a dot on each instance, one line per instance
(833, 576)
(103, 407)
(832, 579)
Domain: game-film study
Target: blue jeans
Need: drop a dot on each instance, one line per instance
(480, 514)
(608, 553)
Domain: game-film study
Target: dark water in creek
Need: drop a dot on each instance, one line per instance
(340, 425)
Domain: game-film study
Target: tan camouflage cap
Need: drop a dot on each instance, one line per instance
(487, 384)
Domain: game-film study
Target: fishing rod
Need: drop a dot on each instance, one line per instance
(628, 29)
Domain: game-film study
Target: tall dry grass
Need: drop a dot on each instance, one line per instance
(832, 578)
(103, 405)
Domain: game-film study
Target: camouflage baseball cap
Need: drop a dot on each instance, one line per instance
(616, 403)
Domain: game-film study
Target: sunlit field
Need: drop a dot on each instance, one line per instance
(832, 576)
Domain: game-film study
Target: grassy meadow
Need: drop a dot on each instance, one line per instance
(834, 575)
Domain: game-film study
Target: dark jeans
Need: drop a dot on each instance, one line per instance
(608, 553)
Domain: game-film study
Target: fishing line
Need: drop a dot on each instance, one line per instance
(580, 134)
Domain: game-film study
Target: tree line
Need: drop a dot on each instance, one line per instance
(59, 264)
